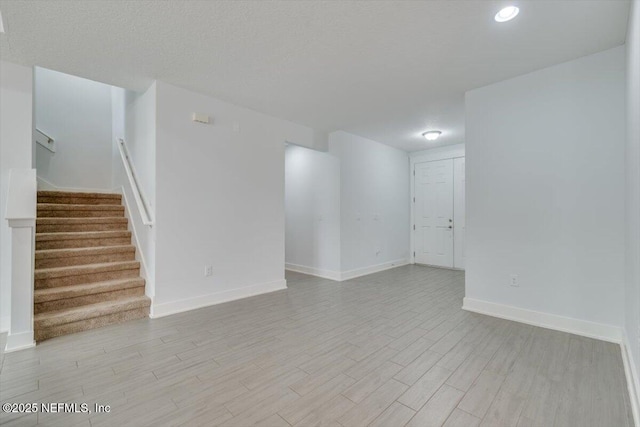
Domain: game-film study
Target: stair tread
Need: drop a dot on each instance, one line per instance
(53, 294)
(78, 194)
(67, 315)
(41, 273)
(91, 250)
(81, 220)
(76, 207)
(70, 235)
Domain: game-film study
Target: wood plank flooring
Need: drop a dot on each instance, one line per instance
(389, 349)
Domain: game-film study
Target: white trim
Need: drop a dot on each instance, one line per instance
(359, 272)
(5, 322)
(630, 372)
(150, 287)
(441, 267)
(173, 307)
(22, 223)
(325, 274)
(545, 320)
(20, 341)
(43, 184)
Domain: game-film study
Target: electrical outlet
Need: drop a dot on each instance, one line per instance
(513, 281)
(208, 270)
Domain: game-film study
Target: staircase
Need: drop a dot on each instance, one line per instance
(86, 275)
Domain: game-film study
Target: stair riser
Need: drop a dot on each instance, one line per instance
(70, 228)
(83, 260)
(82, 243)
(83, 325)
(80, 213)
(66, 303)
(78, 200)
(54, 282)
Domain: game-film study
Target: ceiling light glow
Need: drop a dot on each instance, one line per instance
(507, 14)
(432, 135)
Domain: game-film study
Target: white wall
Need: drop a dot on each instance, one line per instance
(16, 109)
(632, 219)
(140, 136)
(438, 153)
(374, 202)
(219, 200)
(312, 209)
(134, 120)
(545, 190)
(76, 113)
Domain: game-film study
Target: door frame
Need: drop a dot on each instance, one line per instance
(432, 155)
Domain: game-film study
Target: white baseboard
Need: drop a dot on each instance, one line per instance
(325, 274)
(20, 341)
(345, 275)
(359, 272)
(633, 385)
(545, 320)
(173, 307)
(43, 184)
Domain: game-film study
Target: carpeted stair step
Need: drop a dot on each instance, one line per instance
(52, 258)
(63, 197)
(48, 210)
(83, 274)
(82, 239)
(66, 297)
(61, 322)
(61, 225)
(86, 275)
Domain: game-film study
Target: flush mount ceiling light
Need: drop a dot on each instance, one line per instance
(507, 14)
(432, 135)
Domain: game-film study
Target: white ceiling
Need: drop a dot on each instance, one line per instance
(385, 70)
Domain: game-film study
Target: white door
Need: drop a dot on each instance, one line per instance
(434, 213)
(458, 213)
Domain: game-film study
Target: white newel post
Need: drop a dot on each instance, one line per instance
(21, 215)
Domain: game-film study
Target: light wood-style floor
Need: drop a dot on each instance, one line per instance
(390, 349)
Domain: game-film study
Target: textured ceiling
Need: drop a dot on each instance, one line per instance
(385, 70)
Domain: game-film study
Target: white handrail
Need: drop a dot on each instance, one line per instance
(45, 140)
(135, 186)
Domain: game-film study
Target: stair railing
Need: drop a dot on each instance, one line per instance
(141, 203)
(45, 140)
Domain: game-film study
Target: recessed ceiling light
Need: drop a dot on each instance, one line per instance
(507, 14)
(432, 135)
